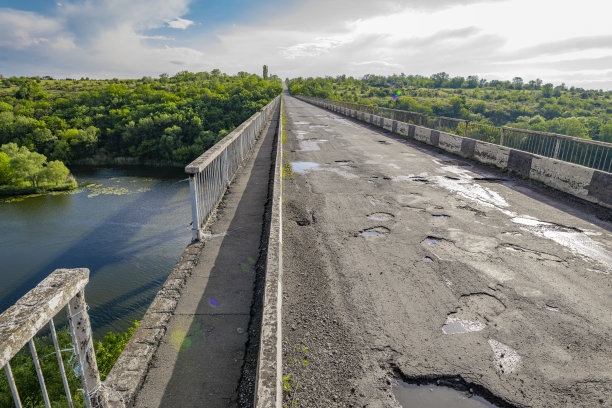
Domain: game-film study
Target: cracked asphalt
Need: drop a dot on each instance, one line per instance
(402, 261)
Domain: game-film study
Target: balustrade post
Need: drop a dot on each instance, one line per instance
(557, 146)
(95, 394)
(195, 212)
(465, 132)
(501, 138)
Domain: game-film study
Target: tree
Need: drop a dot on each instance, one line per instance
(55, 172)
(265, 72)
(6, 172)
(547, 90)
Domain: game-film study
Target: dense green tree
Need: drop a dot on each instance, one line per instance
(6, 172)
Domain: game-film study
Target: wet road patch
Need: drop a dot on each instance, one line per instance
(380, 216)
(374, 232)
(436, 396)
(301, 167)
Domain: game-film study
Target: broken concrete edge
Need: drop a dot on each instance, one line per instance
(582, 182)
(209, 155)
(129, 371)
(20, 322)
(268, 382)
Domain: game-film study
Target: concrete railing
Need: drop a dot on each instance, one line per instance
(268, 383)
(580, 181)
(37, 308)
(211, 173)
(585, 152)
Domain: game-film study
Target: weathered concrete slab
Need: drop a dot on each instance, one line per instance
(456, 240)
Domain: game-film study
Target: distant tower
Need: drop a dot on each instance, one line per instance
(265, 72)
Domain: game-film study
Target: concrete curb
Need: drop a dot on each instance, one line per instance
(268, 384)
(582, 182)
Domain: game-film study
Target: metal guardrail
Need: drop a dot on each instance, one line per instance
(585, 152)
(20, 323)
(211, 173)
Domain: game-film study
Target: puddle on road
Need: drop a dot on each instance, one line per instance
(455, 325)
(300, 167)
(552, 308)
(427, 259)
(435, 396)
(374, 232)
(431, 240)
(301, 123)
(380, 216)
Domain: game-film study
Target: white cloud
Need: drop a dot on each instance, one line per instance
(312, 49)
(179, 23)
(495, 39)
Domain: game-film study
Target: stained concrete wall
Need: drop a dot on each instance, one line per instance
(579, 181)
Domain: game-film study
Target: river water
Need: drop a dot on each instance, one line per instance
(129, 226)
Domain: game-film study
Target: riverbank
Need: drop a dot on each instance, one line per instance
(11, 191)
(101, 159)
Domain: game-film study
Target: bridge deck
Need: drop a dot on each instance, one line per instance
(201, 358)
(523, 270)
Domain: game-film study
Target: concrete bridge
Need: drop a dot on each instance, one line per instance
(388, 251)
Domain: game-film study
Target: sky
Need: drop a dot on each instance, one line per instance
(559, 41)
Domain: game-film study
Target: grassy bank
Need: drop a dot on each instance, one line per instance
(9, 191)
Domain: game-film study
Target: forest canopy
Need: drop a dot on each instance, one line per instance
(170, 119)
(528, 105)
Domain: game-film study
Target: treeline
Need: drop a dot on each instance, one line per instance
(165, 119)
(532, 105)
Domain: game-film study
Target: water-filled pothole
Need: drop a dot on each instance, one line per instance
(440, 216)
(432, 240)
(374, 232)
(427, 259)
(300, 167)
(419, 180)
(436, 396)
(380, 216)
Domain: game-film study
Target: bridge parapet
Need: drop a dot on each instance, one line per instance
(572, 165)
(37, 308)
(211, 173)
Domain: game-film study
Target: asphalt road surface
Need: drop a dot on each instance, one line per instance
(404, 262)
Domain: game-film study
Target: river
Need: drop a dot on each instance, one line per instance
(127, 225)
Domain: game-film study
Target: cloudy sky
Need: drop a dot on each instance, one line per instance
(556, 40)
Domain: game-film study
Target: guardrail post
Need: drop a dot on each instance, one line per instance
(557, 146)
(465, 132)
(95, 395)
(501, 138)
(420, 119)
(195, 216)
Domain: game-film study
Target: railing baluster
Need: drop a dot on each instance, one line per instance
(11, 381)
(60, 362)
(39, 373)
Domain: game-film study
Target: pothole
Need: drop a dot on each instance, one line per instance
(301, 123)
(440, 216)
(456, 325)
(427, 259)
(374, 232)
(301, 167)
(551, 308)
(530, 253)
(419, 180)
(436, 396)
(472, 209)
(385, 142)
(507, 358)
(380, 216)
(431, 241)
(599, 271)
(303, 222)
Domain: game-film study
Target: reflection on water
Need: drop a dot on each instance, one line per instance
(128, 226)
(433, 396)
